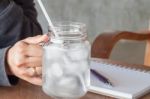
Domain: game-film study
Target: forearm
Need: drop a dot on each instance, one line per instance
(5, 79)
(14, 26)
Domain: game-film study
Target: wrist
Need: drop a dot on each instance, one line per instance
(7, 65)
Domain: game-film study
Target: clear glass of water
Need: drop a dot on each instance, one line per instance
(66, 70)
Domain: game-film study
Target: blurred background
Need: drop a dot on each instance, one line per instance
(101, 16)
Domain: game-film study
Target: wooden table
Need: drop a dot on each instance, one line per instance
(25, 90)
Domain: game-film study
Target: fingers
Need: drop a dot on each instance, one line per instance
(37, 39)
(25, 59)
(33, 62)
(31, 71)
(28, 74)
(36, 80)
(26, 55)
(34, 50)
(28, 62)
(33, 80)
(38, 70)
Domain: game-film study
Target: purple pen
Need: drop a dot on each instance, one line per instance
(101, 77)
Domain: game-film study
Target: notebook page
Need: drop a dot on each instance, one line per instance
(127, 83)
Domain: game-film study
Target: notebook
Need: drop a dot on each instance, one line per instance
(127, 83)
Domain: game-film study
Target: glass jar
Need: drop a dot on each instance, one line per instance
(66, 70)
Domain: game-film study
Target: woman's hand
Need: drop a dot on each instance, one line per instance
(24, 59)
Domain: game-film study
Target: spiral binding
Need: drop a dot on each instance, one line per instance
(130, 67)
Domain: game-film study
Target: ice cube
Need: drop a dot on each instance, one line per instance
(79, 53)
(83, 66)
(55, 70)
(68, 83)
(53, 52)
(71, 67)
(66, 60)
(75, 66)
(72, 85)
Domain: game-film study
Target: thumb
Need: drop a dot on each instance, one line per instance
(36, 39)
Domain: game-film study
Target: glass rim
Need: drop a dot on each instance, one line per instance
(58, 24)
(66, 23)
(79, 34)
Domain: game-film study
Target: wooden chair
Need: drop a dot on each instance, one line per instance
(104, 43)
